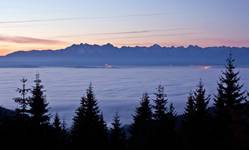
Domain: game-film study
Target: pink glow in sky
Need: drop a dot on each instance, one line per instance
(46, 24)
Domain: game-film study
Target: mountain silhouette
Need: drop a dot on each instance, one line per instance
(86, 55)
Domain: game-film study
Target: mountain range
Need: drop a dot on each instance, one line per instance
(86, 55)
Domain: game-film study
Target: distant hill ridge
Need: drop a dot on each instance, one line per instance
(80, 55)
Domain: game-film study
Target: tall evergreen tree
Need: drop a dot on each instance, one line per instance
(141, 126)
(59, 134)
(164, 121)
(201, 102)
(117, 135)
(172, 112)
(188, 122)
(196, 128)
(143, 113)
(171, 126)
(103, 133)
(64, 126)
(57, 123)
(39, 128)
(189, 116)
(17, 128)
(230, 124)
(230, 94)
(38, 104)
(160, 104)
(171, 115)
(23, 100)
(190, 107)
(89, 127)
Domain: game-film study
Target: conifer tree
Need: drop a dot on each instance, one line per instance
(64, 126)
(38, 104)
(17, 129)
(143, 113)
(142, 122)
(164, 121)
(190, 107)
(160, 104)
(188, 122)
(89, 128)
(230, 125)
(171, 115)
(57, 123)
(117, 135)
(171, 126)
(230, 94)
(59, 135)
(196, 126)
(201, 102)
(172, 112)
(189, 116)
(23, 100)
(103, 132)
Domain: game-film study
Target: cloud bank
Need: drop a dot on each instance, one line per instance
(29, 40)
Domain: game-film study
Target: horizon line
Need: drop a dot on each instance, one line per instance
(135, 46)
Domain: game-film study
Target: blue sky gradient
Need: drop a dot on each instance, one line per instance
(43, 24)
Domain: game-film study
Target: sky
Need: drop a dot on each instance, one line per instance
(55, 24)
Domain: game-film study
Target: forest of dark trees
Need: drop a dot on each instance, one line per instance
(218, 123)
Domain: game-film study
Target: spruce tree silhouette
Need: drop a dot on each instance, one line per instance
(230, 126)
(160, 104)
(23, 100)
(39, 128)
(201, 102)
(103, 135)
(59, 134)
(64, 126)
(172, 112)
(171, 127)
(38, 104)
(13, 128)
(141, 126)
(188, 122)
(190, 108)
(229, 89)
(57, 123)
(117, 135)
(196, 119)
(89, 129)
(171, 115)
(164, 121)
